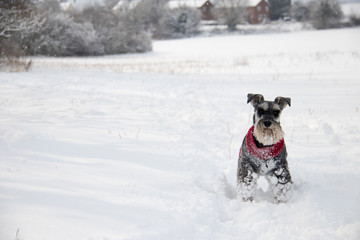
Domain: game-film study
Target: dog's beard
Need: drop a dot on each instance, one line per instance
(268, 136)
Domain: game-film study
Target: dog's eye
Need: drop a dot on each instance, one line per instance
(276, 113)
(261, 112)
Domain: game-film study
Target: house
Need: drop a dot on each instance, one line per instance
(258, 11)
(207, 10)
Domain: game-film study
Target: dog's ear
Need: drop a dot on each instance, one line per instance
(255, 99)
(283, 101)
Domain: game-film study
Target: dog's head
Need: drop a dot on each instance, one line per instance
(267, 129)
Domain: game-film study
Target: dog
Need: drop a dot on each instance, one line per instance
(263, 151)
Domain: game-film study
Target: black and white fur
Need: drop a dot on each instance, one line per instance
(267, 132)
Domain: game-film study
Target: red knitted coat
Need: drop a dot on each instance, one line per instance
(264, 153)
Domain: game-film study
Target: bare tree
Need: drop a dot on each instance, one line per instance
(232, 12)
(15, 16)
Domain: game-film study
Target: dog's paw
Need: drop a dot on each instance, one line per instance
(246, 194)
(247, 188)
(283, 192)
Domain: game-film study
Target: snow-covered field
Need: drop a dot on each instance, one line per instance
(145, 146)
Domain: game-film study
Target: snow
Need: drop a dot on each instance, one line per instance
(145, 146)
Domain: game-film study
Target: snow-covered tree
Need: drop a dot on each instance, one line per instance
(149, 13)
(61, 36)
(15, 16)
(300, 11)
(326, 13)
(279, 8)
(126, 38)
(118, 31)
(44, 29)
(179, 22)
(102, 19)
(354, 19)
(129, 35)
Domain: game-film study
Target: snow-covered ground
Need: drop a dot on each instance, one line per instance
(145, 146)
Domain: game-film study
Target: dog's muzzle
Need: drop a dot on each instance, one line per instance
(268, 131)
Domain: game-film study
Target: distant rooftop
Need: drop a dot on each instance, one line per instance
(199, 3)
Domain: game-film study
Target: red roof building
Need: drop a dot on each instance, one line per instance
(207, 10)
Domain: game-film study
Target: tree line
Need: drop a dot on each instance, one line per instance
(34, 27)
(29, 27)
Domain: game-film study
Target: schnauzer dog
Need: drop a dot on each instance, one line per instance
(263, 151)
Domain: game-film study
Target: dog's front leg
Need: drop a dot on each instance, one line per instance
(247, 181)
(281, 184)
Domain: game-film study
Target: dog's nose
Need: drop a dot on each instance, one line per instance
(267, 123)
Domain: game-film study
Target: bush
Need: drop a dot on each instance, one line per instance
(12, 57)
(128, 39)
(179, 22)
